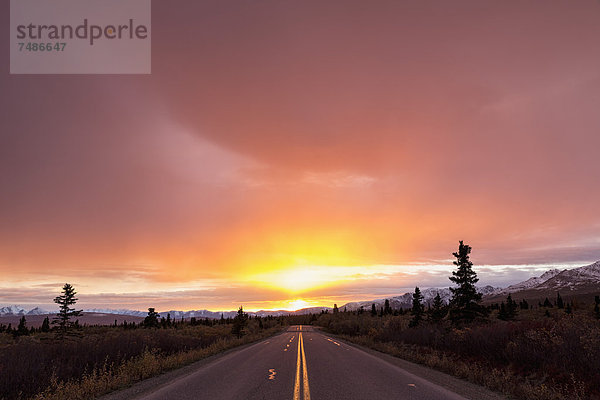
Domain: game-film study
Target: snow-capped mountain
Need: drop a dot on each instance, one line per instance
(586, 277)
(532, 282)
(405, 300)
(120, 311)
(37, 311)
(571, 279)
(18, 310)
(583, 280)
(176, 314)
(12, 310)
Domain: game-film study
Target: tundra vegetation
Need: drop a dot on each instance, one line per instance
(547, 350)
(73, 361)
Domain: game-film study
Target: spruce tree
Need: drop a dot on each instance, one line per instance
(511, 307)
(417, 308)
(597, 306)
(547, 303)
(239, 323)
(22, 327)
(335, 309)
(502, 312)
(569, 309)
(65, 312)
(151, 320)
(386, 308)
(438, 311)
(46, 325)
(373, 310)
(559, 301)
(464, 304)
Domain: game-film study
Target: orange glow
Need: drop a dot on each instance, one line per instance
(305, 156)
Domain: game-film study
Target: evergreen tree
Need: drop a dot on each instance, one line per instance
(502, 312)
(65, 312)
(438, 311)
(559, 301)
(465, 300)
(22, 327)
(569, 309)
(597, 306)
(335, 309)
(239, 323)
(373, 310)
(547, 303)
(168, 321)
(386, 308)
(151, 320)
(511, 307)
(46, 325)
(417, 308)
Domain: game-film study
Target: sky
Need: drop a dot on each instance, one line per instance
(285, 154)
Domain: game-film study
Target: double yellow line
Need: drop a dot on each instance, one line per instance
(301, 360)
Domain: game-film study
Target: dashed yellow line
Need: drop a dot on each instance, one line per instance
(301, 359)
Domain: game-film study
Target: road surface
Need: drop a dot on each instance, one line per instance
(300, 364)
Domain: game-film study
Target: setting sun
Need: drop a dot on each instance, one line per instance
(297, 280)
(298, 304)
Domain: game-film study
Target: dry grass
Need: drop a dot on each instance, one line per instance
(103, 359)
(148, 364)
(533, 358)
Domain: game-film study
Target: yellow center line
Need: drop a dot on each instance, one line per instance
(304, 371)
(297, 383)
(301, 359)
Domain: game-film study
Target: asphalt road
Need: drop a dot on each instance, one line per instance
(300, 364)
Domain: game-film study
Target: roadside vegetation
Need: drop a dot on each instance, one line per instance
(69, 361)
(543, 351)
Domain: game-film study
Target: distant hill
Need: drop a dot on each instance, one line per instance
(86, 318)
(18, 311)
(405, 301)
(581, 282)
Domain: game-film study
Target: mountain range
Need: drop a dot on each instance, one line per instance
(580, 281)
